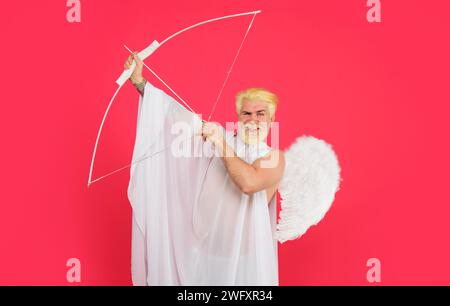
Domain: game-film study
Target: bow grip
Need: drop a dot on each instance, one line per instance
(126, 74)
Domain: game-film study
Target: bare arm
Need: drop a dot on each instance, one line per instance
(140, 86)
(262, 174)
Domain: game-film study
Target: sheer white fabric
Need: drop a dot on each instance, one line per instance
(191, 224)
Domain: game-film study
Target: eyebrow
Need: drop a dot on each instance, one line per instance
(258, 111)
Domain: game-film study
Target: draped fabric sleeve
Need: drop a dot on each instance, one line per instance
(168, 166)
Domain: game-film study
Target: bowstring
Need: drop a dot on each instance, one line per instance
(231, 68)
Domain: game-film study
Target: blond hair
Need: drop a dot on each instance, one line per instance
(257, 94)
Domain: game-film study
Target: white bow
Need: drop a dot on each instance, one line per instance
(143, 55)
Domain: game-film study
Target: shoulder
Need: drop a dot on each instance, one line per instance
(273, 159)
(274, 153)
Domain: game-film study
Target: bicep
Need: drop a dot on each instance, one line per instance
(269, 169)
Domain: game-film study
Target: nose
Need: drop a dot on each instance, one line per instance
(251, 121)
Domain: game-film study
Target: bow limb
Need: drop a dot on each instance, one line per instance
(99, 133)
(90, 181)
(207, 21)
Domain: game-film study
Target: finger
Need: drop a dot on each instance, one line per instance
(137, 59)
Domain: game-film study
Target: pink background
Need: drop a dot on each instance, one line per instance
(377, 92)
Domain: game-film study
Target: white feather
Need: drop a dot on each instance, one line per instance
(308, 187)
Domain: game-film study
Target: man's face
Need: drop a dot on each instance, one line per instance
(254, 121)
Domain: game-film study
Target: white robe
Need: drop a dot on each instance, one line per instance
(191, 223)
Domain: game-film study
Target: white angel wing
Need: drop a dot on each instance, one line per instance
(310, 181)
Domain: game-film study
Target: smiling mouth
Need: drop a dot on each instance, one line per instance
(253, 130)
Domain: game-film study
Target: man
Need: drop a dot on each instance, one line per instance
(203, 219)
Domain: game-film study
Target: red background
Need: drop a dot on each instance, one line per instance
(376, 91)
